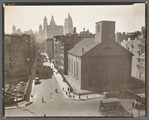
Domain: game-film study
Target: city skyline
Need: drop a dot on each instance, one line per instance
(30, 17)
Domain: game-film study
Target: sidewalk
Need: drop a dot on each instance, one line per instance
(70, 95)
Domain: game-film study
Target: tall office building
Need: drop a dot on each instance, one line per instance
(68, 25)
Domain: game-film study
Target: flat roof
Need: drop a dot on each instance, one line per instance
(108, 100)
(105, 21)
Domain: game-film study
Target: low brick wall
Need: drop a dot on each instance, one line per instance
(28, 89)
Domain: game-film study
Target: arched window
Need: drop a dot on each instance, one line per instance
(74, 68)
(77, 70)
(71, 66)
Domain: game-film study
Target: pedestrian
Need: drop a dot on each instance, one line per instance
(79, 96)
(42, 100)
(68, 89)
(73, 96)
(56, 90)
(50, 95)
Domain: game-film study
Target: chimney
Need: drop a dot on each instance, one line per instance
(82, 50)
(105, 31)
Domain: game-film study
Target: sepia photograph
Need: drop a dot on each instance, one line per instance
(74, 60)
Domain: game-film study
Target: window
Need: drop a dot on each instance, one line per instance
(71, 66)
(74, 69)
(139, 52)
(77, 70)
(138, 59)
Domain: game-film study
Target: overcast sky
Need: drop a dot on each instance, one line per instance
(128, 18)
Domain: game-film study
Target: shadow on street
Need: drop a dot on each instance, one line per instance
(26, 110)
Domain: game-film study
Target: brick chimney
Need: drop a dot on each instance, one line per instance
(105, 31)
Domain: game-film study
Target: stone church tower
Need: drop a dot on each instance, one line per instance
(68, 25)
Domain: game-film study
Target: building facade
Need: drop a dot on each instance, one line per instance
(142, 68)
(136, 47)
(99, 63)
(49, 48)
(62, 44)
(19, 56)
(57, 53)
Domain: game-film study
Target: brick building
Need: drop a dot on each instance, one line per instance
(99, 63)
(19, 53)
(49, 48)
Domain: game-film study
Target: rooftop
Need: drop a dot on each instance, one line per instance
(87, 44)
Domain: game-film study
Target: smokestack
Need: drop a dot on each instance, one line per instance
(105, 31)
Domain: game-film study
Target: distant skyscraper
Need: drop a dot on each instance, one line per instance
(13, 29)
(19, 31)
(68, 25)
(45, 24)
(54, 29)
(49, 31)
